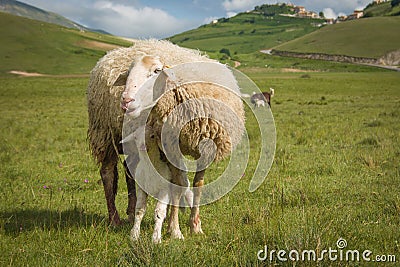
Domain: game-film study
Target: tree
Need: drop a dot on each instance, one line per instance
(321, 14)
(395, 3)
(225, 51)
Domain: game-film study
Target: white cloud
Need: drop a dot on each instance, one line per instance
(130, 21)
(329, 13)
(230, 14)
(242, 5)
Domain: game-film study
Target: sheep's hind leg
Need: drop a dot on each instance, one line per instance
(130, 165)
(139, 213)
(109, 176)
(195, 223)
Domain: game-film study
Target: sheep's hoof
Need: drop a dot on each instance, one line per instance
(115, 220)
(156, 239)
(196, 230)
(177, 234)
(195, 225)
(135, 235)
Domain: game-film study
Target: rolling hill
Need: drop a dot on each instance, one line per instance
(34, 46)
(368, 37)
(248, 32)
(382, 9)
(24, 10)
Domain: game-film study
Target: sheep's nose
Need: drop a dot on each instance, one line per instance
(125, 101)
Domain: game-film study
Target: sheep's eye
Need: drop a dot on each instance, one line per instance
(158, 70)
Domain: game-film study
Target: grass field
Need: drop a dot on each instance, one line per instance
(335, 175)
(358, 38)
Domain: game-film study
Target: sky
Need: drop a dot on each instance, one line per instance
(165, 18)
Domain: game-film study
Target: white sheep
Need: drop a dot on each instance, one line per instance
(223, 125)
(104, 93)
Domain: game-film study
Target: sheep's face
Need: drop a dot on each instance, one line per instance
(142, 70)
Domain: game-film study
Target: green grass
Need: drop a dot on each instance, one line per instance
(383, 9)
(269, 63)
(245, 33)
(369, 37)
(335, 174)
(34, 46)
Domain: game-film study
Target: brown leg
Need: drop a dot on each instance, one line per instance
(109, 176)
(195, 223)
(130, 182)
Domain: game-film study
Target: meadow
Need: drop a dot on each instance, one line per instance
(336, 174)
(366, 35)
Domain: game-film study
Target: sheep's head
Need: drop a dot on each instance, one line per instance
(143, 68)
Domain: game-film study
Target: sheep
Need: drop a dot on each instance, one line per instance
(150, 166)
(210, 111)
(104, 93)
(263, 96)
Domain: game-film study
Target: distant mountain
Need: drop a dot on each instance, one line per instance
(24, 10)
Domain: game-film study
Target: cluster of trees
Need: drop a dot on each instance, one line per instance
(272, 10)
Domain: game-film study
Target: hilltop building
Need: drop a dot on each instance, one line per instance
(380, 1)
(301, 12)
(356, 15)
(299, 9)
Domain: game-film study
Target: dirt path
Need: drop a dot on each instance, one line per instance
(35, 74)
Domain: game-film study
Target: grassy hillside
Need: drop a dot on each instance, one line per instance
(369, 37)
(383, 9)
(245, 33)
(34, 46)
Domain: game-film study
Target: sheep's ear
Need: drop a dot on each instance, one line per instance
(121, 79)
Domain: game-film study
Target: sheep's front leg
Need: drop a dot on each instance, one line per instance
(195, 223)
(130, 165)
(109, 176)
(176, 195)
(139, 213)
(159, 215)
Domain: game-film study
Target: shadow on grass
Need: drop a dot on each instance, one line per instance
(17, 221)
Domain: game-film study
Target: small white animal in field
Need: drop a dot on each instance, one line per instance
(259, 103)
(149, 171)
